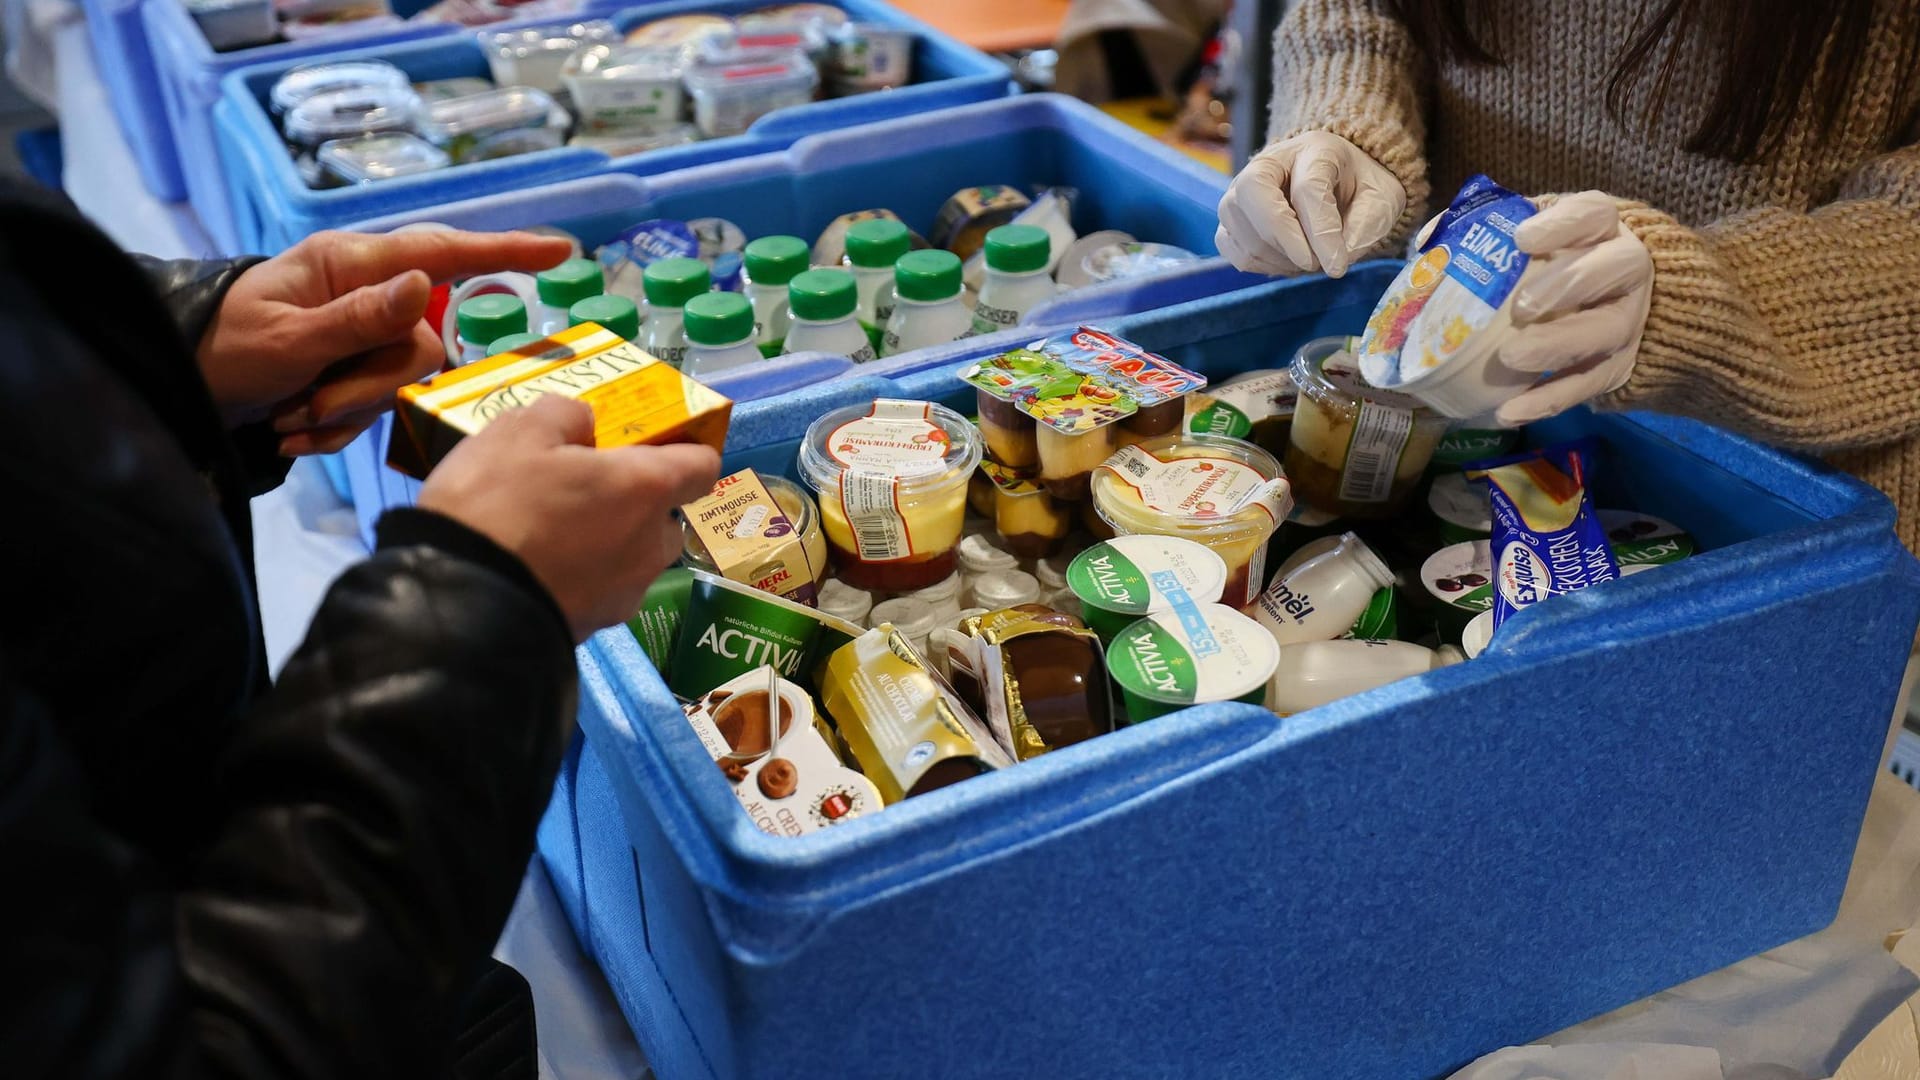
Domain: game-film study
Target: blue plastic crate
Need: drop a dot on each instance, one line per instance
(183, 78)
(272, 209)
(1634, 785)
(1126, 181)
(126, 66)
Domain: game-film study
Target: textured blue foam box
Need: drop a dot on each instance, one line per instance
(126, 66)
(1636, 784)
(911, 165)
(272, 209)
(182, 83)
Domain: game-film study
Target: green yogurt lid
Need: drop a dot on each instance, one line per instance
(1193, 653)
(1132, 574)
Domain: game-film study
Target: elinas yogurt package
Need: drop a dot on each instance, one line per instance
(1437, 328)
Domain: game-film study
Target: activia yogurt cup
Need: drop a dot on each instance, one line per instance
(1122, 580)
(1644, 540)
(1461, 508)
(1459, 580)
(1204, 488)
(892, 478)
(1191, 654)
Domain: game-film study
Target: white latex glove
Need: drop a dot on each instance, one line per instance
(1581, 309)
(1312, 202)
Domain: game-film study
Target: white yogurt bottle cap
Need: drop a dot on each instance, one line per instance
(843, 600)
(1009, 588)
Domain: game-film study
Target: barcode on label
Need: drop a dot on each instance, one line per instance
(1373, 456)
(1138, 467)
(879, 532)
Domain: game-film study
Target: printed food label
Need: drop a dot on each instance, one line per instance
(1233, 409)
(1465, 272)
(749, 538)
(1081, 381)
(1380, 434)
(1138, 574)
(1644, 540)
(1547, 540)
(791, 785)
(1461, 576)
(1198, 487)
(894, 440)
(1191, 653)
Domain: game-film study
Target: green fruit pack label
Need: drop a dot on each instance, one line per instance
(730, 629)
(1644, 540)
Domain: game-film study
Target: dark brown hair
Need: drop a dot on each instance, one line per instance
(1777, 55)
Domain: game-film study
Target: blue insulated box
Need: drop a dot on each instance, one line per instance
(1634, 785)
(182, 83)
(912, 165)
(126, 65)
(272, 209)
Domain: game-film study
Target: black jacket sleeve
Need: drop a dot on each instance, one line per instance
(379, 807)
(192, 291)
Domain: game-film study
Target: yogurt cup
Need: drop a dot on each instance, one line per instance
(1225, 493)
(1122, 580)
(892, 479)
(1191, 654)
(1477, 635)
(1644, 540)
(1354, 451)
(1461, 508)
(1458, 581)
(1469, 441)
(729, 97)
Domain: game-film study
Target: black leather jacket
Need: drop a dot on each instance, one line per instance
(202, 874)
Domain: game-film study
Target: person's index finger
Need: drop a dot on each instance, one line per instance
(446, 254)
(678, 472)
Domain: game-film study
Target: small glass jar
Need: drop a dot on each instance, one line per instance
(1355, 451)
(1240, 538)
(799, 508)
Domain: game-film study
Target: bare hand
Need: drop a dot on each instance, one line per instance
(321, 335)
(595, 526)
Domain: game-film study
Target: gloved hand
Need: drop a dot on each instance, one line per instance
(1311, 202)
(1582, 307)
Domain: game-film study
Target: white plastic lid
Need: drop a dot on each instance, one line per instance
(302, 83)
(930, 445)
(360, 110)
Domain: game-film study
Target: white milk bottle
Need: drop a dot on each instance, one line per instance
(823, 303)
(720, 336)
(1320, 599)
(771, 263)
(669, 284)
(559, 289)
(1312, 673)
(927, 306)
(486, 319)
(1017, 279)
(873, 247)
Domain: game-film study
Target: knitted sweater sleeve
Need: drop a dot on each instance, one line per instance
(1350, 67)
(1802, 329)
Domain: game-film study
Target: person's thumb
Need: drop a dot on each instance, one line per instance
(367, 318)
(549, 422)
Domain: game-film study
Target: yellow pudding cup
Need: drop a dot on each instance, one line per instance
(1240, 538)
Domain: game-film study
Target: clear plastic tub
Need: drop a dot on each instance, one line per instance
(1354, 451)
(892, 478)
(626, 87)
(864, 57)
(506, 144)
(460, 125)
(624, 143)
(380, 157)
(350, 113)
(683, 33)
(234, 24)
(728, 97)
(535, 56)
(302, 83)
(1240, 539)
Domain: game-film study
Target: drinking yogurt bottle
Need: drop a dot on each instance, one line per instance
(1320, 599)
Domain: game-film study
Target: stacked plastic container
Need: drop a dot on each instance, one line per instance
(1124, 180)
(1634, 785)
(271, 208)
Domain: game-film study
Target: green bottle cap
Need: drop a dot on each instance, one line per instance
(774, 260)
(1018, 249)
(569, 283)
(927, 276)
(673, 282)
(616, 313)
(487, 319)
(823, 295)
(719, 318)
(878, 243)
(512, 342)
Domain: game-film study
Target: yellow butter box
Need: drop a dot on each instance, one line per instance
(637, 399)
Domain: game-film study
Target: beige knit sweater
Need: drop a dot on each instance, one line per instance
(1786, 299)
